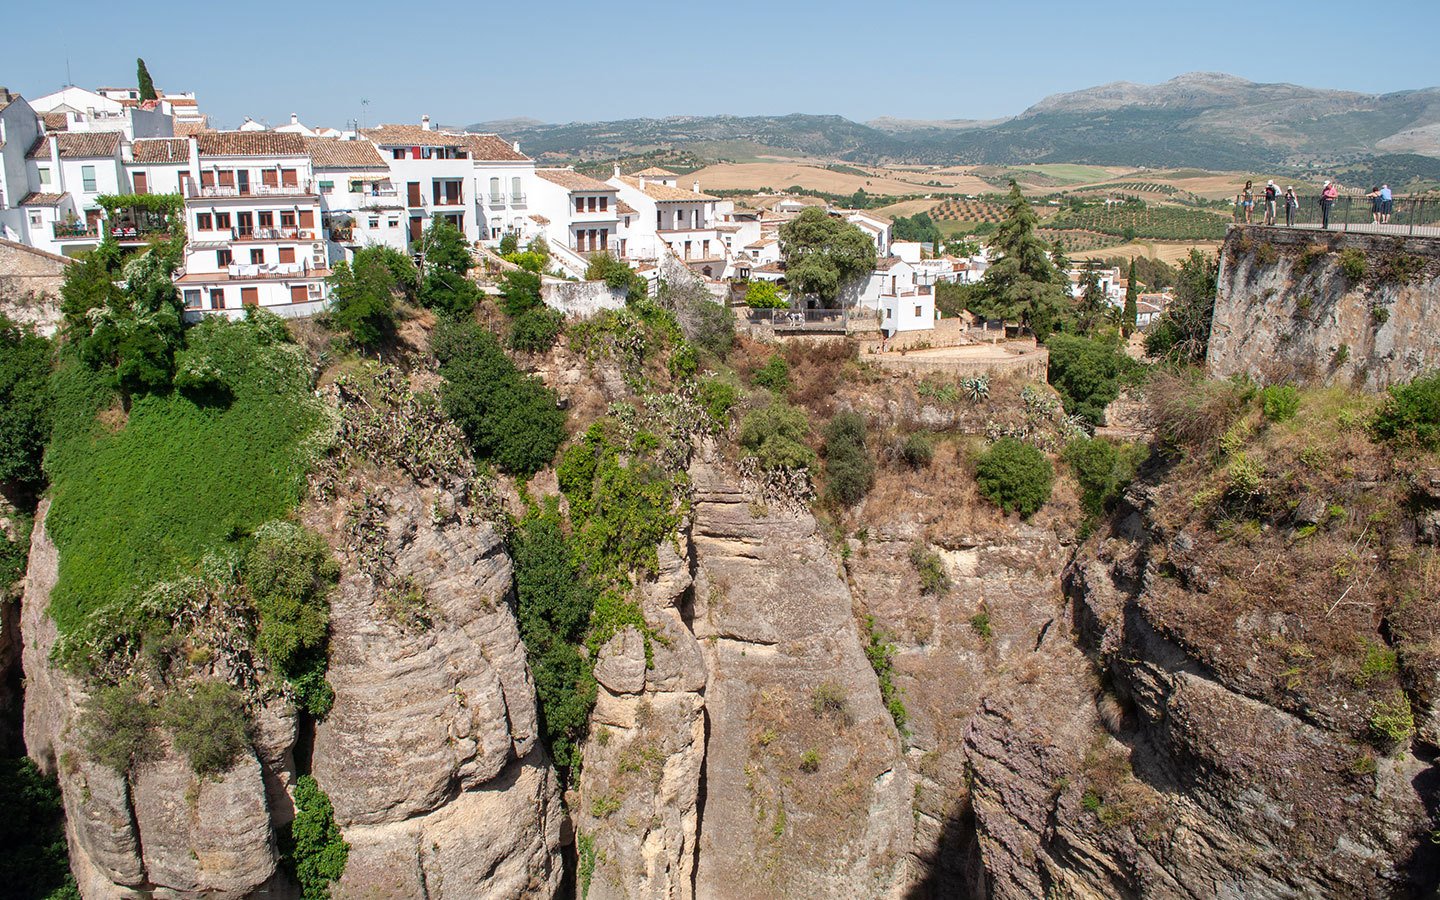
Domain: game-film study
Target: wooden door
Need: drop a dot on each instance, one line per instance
(290, 177)
(270, 178)
(287, 254)
(141, 183)
(249, 296)
(417, 226)
(299, 293)
(307, 218)
(413, 188)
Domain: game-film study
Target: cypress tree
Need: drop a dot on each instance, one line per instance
(147, 87)
(1132, 295)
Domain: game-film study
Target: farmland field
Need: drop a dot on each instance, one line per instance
(779, 175)
(1078, 241)
(1172, 252)
(1171, 223)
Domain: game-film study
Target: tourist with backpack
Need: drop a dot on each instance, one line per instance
(1272, 194)
(1292, 203)
(1387, 204)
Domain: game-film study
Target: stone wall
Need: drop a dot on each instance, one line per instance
(1016, 358)
(582, 298)
(30, 282)
(1286, 308)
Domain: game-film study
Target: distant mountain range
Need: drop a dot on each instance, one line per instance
(1202, 119)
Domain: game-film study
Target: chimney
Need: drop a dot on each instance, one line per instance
(697, 187)
(642, 182)
(5, 95)
(516, 145)
(294, 119)
(425, 122)
(617, 171)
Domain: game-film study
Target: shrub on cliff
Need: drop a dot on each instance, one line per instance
(117, 725)
(1088, 374)
(33, 858)
(536, 330)
(1411, 414)
(1102, 470)
(849, 471)
(24, 403)
(508, 416)
(1015, 476)
(312, 849)
(775, 435)
(775, 374)
(290, 573)
(209, 725)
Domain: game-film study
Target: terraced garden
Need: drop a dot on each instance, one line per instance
(1077, 241)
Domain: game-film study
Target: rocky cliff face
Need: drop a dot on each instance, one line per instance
(1287, 308)
(429, 754)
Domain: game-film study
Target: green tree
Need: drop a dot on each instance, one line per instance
(1132, 306)
(1016, 476)
(24, 404)
(34, 862)
(1022, 285)
(509, 243)
(764, 295)
(824, 254)
(363, 293)
(508, 416)
(1058, 259)
(1183, 333)
(617, 275)
(146, 85)
(919, 227)
(1093, 308)
(312, 849)
(519, 292)
(1102, 469)
(536, 330)
(1087, 373)
(446, 286)
(290, 573)
(89, 284)
(134, 335)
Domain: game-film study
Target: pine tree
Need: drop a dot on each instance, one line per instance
(1023, 284)
(1132, 309)
(147, 87)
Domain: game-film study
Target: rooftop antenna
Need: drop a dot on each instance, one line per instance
(69, 82)
(364, 105)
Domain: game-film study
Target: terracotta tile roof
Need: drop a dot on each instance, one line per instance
(35, 198)
(728, 229)
(888, 263)
(161, 150)
(664, 192)
(539, 219)
(874, 217)
(760, 244)
(492, 147)
(250, 143)
(572, 180)
(413, 135)
(772, 268)
(656, 172)
(185, 129)
(625, 209)
(79, 145)
(329, 153)
(56, 121)
(180, 101)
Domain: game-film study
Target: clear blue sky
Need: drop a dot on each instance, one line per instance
(564, 60)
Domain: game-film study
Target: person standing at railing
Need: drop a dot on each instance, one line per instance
(1272, 194)
(1387, 204)
(1374, 196)
(1292, 203)
(1327, 201)
(1247, 200)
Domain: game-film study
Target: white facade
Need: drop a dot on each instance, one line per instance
(673, 222)
(359, 204)
(253, 219)
(19, 127)
(582, 215)
(433, 173)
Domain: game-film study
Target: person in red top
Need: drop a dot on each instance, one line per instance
(1327, 200)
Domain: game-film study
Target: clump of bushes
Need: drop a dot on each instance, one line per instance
(827, 699)
(918, 450)
(312, 849)
(447, 287)
(717, 397)
(849, 471)
(1392, 721)
(291, 573)
(509, 417)
(34, 861)
(209, 724)
(880, 651)
(1102, 470)
(764, 295)
(363, 293)
(775, 434)
(775, 374)
(1015, 476)
(810, 761)
(1189, 411)
(1352, 263)
(24, 404)
(536, 330)
(933, 578)
(519, 293)
(1410, 414)
(1088, 373)
(118, 726)
(1280, 402)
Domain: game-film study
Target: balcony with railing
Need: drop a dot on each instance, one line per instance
(381, 198)
(195, 191)
(267, 270)
(272, 234)
(75, 231)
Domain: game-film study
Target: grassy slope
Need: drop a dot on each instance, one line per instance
(133, 506)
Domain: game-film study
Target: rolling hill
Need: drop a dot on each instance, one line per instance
(1205, 120)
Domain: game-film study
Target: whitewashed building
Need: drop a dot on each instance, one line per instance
(253, 217)
(359, 204)
(671, 220)
(582, 217)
